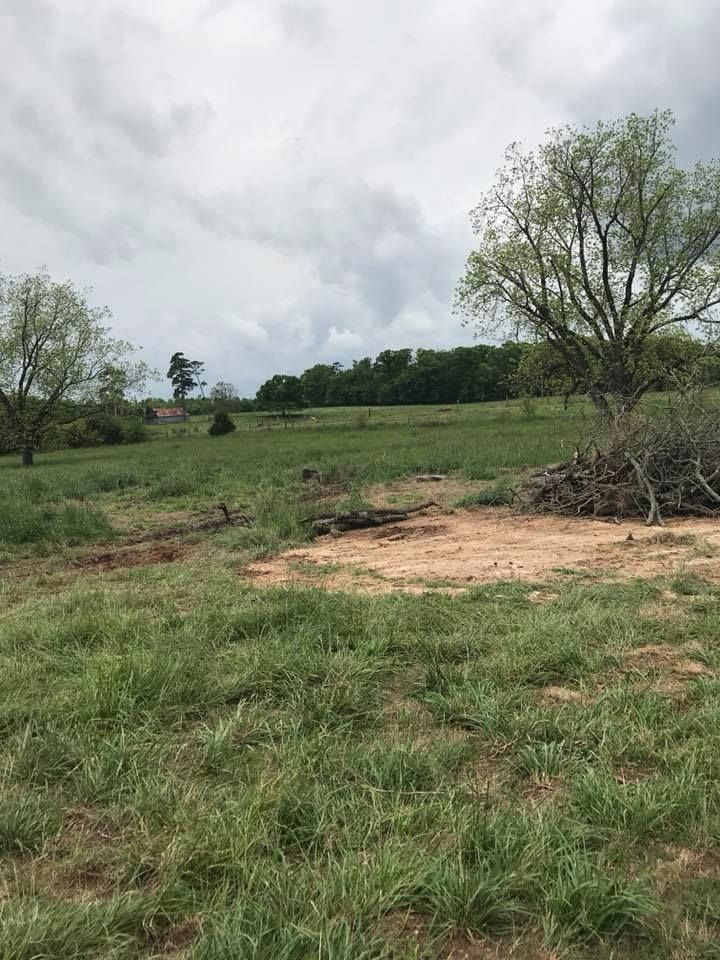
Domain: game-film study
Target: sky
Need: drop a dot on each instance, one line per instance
(269, 184)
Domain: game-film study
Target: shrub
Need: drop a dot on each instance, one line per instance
(108, 428)
(221, 424)
(78, 434)
(133, 431)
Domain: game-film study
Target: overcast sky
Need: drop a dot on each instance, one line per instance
(266, 184)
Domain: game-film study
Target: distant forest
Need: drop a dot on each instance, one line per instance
(460, 375)
(464, 374)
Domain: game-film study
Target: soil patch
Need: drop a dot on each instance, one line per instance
(132, 557)
(453, 550)
(662, 658)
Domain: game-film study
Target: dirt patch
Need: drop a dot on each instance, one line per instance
(550, 696)
(177, 941)
(415, 930)
(453, 550)
(662, 658)
(131, 557)
(59, 881)
(543, 791)
(679, 865)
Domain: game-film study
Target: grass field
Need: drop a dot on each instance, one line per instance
(192, 767)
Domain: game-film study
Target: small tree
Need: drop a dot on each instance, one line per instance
(181, 375)
(53, 347)
(223, 391)
(595, 244)
(221, 424)
(281, 393)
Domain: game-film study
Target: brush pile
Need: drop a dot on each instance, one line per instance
(653, 467)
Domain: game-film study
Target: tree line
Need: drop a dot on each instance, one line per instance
(474, 374)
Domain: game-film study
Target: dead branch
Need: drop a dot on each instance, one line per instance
(654, 512)
(361, 519)
(657, 465)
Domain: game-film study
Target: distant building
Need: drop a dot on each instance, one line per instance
(163, 415)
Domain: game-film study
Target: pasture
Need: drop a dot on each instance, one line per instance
(194, 766)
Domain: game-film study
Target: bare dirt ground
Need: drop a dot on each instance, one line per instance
(453, 550)
(131, 557)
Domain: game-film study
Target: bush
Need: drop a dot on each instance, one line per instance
(221, 424)
(108, 428)
(78, 434)
(133, 431)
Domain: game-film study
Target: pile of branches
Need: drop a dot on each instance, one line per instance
(361, 519)
(659, 465)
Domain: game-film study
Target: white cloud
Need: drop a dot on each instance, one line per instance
(267, 183)
(341, 342)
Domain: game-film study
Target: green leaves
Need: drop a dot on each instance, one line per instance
(595, 243)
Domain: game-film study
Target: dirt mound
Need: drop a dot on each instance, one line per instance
(132, 557)
(452, 551)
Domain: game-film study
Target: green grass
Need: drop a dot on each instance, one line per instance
(194, 768)
(337, 761)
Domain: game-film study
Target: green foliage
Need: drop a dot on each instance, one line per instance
(221, 424)
(182, 375)
(53, 347)
(595, 243)
(133, 430)
(464, 374)
(281, 393)
(96, 430)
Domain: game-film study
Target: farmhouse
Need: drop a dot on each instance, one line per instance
(165, 415)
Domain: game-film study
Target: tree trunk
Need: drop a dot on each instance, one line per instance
(27, 456)
(600, 402)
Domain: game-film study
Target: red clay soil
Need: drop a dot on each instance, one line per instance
(453, 550)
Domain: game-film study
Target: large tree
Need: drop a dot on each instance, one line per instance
(316, 380)
(181, 375)
(53, 347)
(281, 393)
(595, 243)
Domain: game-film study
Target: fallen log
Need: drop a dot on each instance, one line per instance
(361, 519)
(228, 518)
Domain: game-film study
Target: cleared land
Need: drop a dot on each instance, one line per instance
(193, 766)
(455, 549)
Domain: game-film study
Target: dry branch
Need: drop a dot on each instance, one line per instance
(360, 519)
(653, 466)
(228, 518)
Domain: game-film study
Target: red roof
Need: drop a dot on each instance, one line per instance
(169, 411)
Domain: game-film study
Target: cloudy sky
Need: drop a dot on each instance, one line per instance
(265, 184)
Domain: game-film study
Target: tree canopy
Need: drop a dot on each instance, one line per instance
(54, 346)
(281, 393)
(595, 243)
(183, 374)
